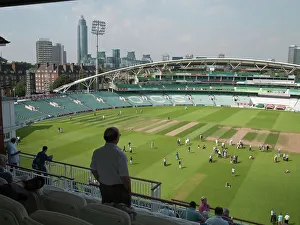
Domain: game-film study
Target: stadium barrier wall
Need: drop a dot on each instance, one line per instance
(84, 175)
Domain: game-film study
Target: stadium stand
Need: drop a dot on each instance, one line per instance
(112, 99)
(90, 101)
(136, 99)
(180, 99)
(159, 99)
(24, 114)
(70, 105)
(45, 107)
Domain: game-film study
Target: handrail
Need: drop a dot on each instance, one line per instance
(234, 218)
(151, 198)
(38, 171)
(86, 168)
(67, 164)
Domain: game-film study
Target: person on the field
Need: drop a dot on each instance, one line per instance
(18, 140)
(233, 172)
(203, 147)
(230, 142)
(124, 149)
(201, 137)
(250, 148)
(199, 147)
(110, 169)
(180, 164)
(169, 118)
(278, 152)
(152, 144)
(280, 218)
(275, 159)
(223, 145)
(70, 117)
(219, 154)
(130, 161)
(129, 144)
(273, 219)
(130, 149)
(227, 185)
(177, 155)
(178, 142)
(286, 218)
(210, 158)
(217, 142)
(189, 149)
(165, 161)
(103, 117)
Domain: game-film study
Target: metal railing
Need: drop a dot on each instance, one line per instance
(153, 204)
(84, 175)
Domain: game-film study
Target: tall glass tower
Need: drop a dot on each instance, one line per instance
(82, 40)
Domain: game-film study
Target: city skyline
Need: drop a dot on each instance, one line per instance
(201, 28)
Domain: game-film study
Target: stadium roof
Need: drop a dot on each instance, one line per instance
(8, 3)
(184, 64)
(3, 42)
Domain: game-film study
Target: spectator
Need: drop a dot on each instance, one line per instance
(226, 216)
(203, 205)
(109, 167)
(19, 190)
(13, 153)
(217, 219)
(167, 211)
(40, 160)
(5, 175)
(193, 215)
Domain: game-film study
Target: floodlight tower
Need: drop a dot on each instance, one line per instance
(98, 28)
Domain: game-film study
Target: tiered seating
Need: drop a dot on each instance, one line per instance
(90, 101)
(158, 99)
(23, 114)
(224, 100)
(70, 105)
(274, 101)
(133, 86)
(135, 99)
(180, 99)
(202, 99)
(45, 107)
(112, 99)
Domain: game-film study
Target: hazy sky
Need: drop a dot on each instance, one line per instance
(239, 28)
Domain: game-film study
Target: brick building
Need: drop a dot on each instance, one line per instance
(45, 75)
(11, 74)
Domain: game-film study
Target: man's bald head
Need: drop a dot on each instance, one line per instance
(112, 135)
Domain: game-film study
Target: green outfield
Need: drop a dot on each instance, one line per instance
(259, 186)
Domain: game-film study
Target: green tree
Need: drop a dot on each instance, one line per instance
(20, 89)
(61, 80)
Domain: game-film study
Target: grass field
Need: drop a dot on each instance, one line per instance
(259, 186)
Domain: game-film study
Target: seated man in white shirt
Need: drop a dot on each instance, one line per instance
(109, 167)
(217, 219)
